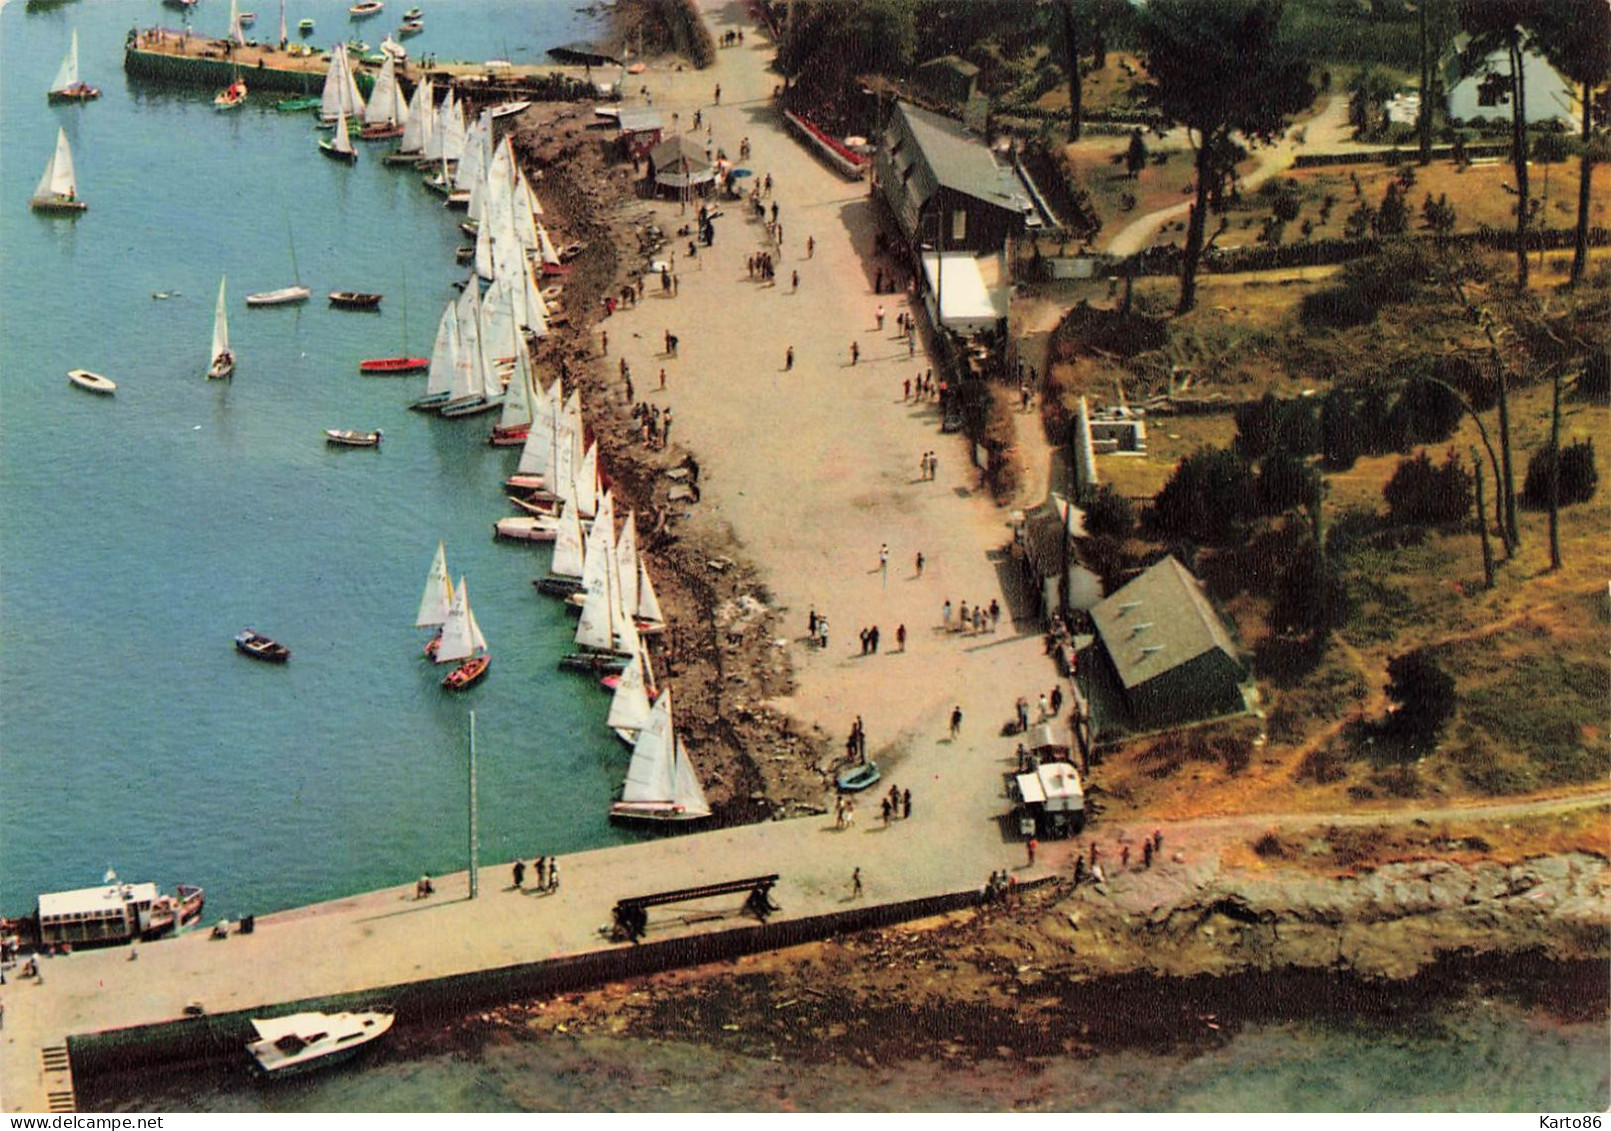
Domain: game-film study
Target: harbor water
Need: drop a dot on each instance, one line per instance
(141, 531)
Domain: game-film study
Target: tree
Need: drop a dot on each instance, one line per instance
(1575, 35)
(1285, 481)
(1432, 410)
(1504, 25)
(1438, 216)
(1423, 694)
(1107, 512)
(1135, 158)
(1423, 495)
(1578, 477)
(1369, 91)
(1309, 599)
(1207, 498)
(1219, 69)
(1393, 219)
(1340, 438)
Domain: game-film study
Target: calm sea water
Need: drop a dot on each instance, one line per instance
(1470, 1055)
(138, 533)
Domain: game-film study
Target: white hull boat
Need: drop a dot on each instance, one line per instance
(303, 1042)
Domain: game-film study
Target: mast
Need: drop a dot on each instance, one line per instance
(475, 831)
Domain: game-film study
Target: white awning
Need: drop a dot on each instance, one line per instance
(967, 304)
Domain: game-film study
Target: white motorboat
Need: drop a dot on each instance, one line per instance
(94, 382)
(302, 1042)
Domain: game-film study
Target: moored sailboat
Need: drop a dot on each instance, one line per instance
(661, 782)
(437, 599)
(223, 358)
(66, 87)
(283, 295)
(339, 146)
(58, 188)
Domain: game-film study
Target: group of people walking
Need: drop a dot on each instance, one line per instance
(545, 869)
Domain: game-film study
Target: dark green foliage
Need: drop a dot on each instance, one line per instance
(1135, 158)
(1424, 696)
(1433, 411)
(1393, 218)
(1341, 438)
(1579, 478)
(1285, 481)
(1594, 383)
(1437, 216)
(1271, 424)
(1395, 274)
(1310, 598)
(1422, 494)
(1471, 378)
(1208, 498)
(1108, 512)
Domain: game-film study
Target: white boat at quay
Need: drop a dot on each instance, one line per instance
(302, 1042)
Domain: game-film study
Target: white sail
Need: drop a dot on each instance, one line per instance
(598, 550)
(626, 568)
(524, 213)
(385, 98)
(473, 157)
(67, 73)
(438, 596)
(518, 396)
(220, 325)
(444, 354)
(331, 97)
(342, 140)
(461, 635)
(687, 793)
(420, 121)
(585, 488)
(483, 250)
(567, 559)
(595, 630)
(537, 457)
(453, 130)
(59, 179)
(536, 308)
(629, 707)
(649, 611)
(546, 247)
(660, 773)
(469, 366)
(351, 101)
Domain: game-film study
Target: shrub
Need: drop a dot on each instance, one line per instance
(1421, 494)
(1108, 512)
(1432, 411)
(1594, 383)
(1207, 497)
(1425, 699)
(1271, 424)
(1285, 481)
(1310, 597)
(1340, 427)
(1578, 476)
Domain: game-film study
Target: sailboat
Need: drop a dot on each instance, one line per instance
(66, 87)
(58, 188)
(661, 783)
(284, 295)
(386, 112)
(223, 358)
(340, 144)
(417, 127)
(472, 370)
(515, 423)
(339, 95)
(437, 600)
(233, 96)
(439, 376)
(462, 641)
(630, 705)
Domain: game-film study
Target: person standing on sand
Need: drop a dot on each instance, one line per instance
(553, 875)
(662, 377)
(883, 561)
(906, 804)
(520, 873)
(811, 625)
(604, 343)
(919, 563)
(900, 638)
(1031, 846)
(956, 720)
(855, 883)
(855, 353)
(811, 246)
(879, 315)
(794, 280)
(788, 359)
(945, 615)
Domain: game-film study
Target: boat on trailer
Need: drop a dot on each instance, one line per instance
(304, 1042)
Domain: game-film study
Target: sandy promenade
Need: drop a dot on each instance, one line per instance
(816, 468)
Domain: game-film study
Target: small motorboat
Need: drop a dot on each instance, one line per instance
(293, 105)
(347, 438)
(414, 14)
(247, 19)
(528, 528)
(93, 382)
(391, 366)
(504, 109)
(467, 673)
(280, 297)
(302, 1042)
(304, 27)
(355, 300)
(594, 663)
(365, 9)
(857, 778)
(260, 647)
(231, 97)
(410, 27)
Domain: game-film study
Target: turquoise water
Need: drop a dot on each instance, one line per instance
(139, 533)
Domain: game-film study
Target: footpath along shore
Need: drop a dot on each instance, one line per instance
(814, 470)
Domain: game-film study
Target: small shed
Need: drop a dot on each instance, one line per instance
(950, 78)
(1173, 656)
(1051, 800)
(638, 128)
(678, 165)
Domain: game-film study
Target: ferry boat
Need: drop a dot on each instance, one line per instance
(114, 912)
(303, 1042)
